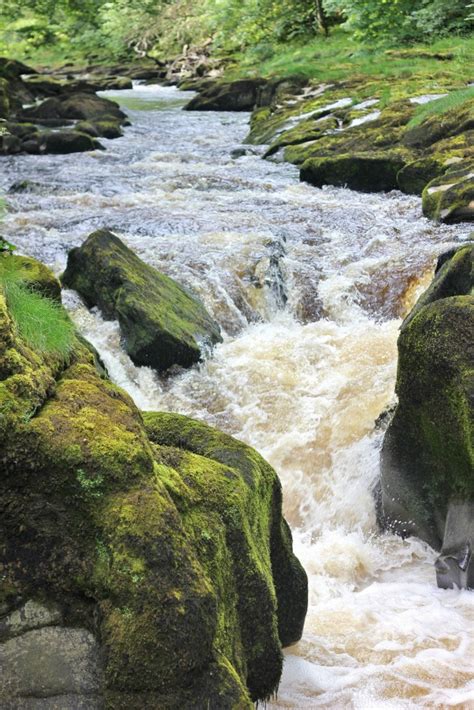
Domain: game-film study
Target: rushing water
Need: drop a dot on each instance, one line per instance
(309, 286)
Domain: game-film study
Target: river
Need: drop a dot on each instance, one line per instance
(309, 287)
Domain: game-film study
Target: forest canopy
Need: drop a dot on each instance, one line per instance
(115, 28)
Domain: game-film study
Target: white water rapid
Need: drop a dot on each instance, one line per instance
(309, 286)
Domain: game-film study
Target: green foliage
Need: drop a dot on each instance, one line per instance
(446, 103)
(41, 322)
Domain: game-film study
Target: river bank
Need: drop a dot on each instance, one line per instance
(302, 379)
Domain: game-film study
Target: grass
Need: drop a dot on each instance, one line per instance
(340, 57)
(41, 322)
(439, 106)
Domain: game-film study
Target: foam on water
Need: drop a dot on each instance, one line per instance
(303, 384)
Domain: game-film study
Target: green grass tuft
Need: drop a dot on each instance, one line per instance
(40, 322)
(439, 106)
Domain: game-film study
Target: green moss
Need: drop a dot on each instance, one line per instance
(167, 541)
(428, 455)
(160, 321)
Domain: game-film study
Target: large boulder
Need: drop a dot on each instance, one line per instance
(144, 564)
(427, 456)
(162, 324)
(241, 95)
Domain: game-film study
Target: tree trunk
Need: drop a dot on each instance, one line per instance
(321, 17)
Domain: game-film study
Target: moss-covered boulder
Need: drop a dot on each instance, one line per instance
(162, 323)
(367, 172)
(428, 457)
(450, 198)
(162, 541)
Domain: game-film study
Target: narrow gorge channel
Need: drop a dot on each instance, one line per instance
(309, 287)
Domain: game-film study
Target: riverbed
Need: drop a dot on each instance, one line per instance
(309, 287)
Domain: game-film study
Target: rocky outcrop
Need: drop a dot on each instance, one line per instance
(427, 456)
(162, 324)
(145, 562)
(367, 144)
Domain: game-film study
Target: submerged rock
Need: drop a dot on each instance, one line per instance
(427, 456)
(145, 561)
(162, 324)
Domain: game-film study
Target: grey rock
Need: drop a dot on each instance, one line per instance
(49, 662)
(30, 616)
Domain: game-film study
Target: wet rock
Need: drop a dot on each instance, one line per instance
(104, 128)
(21, 130)
(238, 95)
(427, 458)
(162, 324)
(450, 198)
(9, 145)
(89, 107)
(62, 142)
(455, 565)
(366, 172)
(162, 534)
(51, 108)
(49, 662)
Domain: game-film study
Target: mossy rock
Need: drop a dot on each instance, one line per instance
(427, 456)
(413, 178)
(32, 273)
(366, 172)
(162, 538)
(65, 141)
(162, 324)
(450, 198)
(440, 126)
(4, 98)
(104, 128)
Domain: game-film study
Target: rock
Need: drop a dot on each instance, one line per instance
(13, 69)
(9, 145)
(32, 273)
(450, 198)
(100, 129)
(427, 457)
(376, 172)
(238, 95)
(49, 662)
(62, 142)
(22, 130)
(162, 324)
(441, 126)
(28, 617)
(455, 565)
(413, 178)
(89, 107)
(76, 106)
(160, 539)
